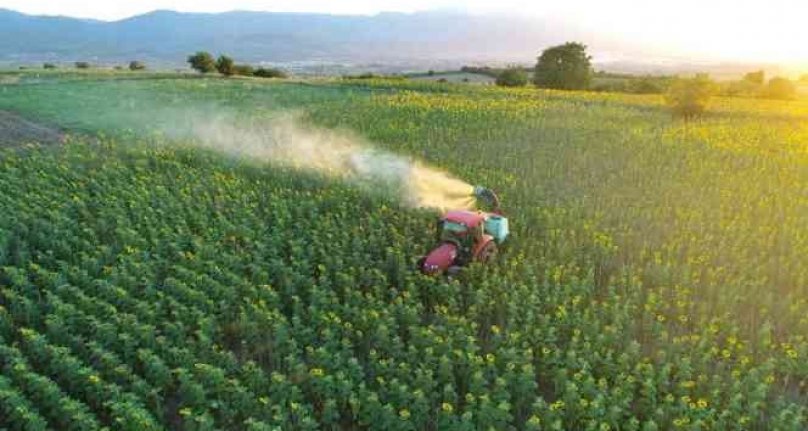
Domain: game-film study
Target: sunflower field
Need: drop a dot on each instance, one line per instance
(656, 277)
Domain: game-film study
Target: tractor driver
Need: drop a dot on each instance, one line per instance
(458, 234)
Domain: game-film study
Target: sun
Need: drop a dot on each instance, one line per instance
(740, 30)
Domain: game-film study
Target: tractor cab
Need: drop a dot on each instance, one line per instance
(462, 228)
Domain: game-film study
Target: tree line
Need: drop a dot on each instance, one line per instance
(754, 84)
(569, 67)
(203, 62)
(134, 65)
(562, 67)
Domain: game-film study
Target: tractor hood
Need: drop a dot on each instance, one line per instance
(440, 259)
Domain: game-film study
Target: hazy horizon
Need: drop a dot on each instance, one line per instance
(721, 31)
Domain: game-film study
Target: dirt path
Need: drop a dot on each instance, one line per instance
(15, 130)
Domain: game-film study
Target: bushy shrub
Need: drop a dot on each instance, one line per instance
(780, 88)
(82, 65)
(243, 70)
(202, 62)
(512, 77)
(225, 65)
(646, 85)
(742, 88)
(689, 97)
(269, 72)
(49, 66)
(758, 78)
(616, 86)
(137, 65)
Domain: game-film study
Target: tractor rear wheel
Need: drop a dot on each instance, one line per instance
(488, 253)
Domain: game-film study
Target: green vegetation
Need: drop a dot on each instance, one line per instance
(451, 76)
(482, 70)
(225, 65)
(688, 97)
(755, 78)
(243, 70)
(655, 278)
(754, 84)
(136, 65)
(512, 77)
(781, 88)
(632, 84)
(564, 67)
(202, 62)
(269, 72)
(366, 75)
(742, 88)
(647, 85)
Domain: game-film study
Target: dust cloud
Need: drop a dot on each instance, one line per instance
(287, 141)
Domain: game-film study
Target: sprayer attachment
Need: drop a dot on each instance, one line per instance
(487, 196)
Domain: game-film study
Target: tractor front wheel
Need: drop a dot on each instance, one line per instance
(420, 263)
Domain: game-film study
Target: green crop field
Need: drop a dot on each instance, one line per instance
(656, 277)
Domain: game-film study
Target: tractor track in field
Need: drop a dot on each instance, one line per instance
(16, 130)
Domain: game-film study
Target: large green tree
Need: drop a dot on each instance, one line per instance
(564, 67)
(202, 62)
(225, 65)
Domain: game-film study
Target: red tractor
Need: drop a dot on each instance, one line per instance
(466, 236)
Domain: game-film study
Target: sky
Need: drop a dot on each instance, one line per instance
(728, 30)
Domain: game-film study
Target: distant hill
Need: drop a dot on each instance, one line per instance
(168, 37)
(320, 43)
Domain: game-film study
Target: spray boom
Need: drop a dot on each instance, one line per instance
(488, 197)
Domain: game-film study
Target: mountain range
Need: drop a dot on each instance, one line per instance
(311, 42)
(168, 37)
